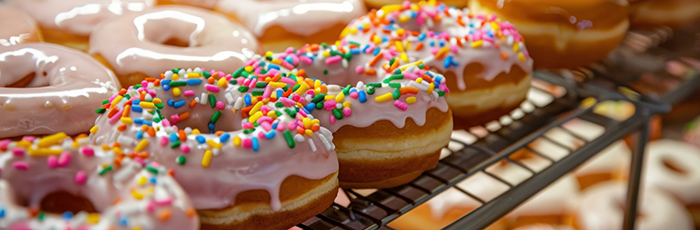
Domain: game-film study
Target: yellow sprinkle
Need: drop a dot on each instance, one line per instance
(117, 150)
(326, 53)
(136, 228)
(308, 132)
(206, 159)
(329, 97)
(495, 26)
(249, 68)
(105, 147)
(256, 108)
(255, 116)
(337, 44)
(116, 101)
(377, 40)
(136, 195)
(93, 130)
(24, 144)
(403, 57)
(44, 152)
(403, 18)
(516, 47)
(307, 122)
(51, 140)
(93, 218)
(193, 75)
(176, 91)
(384, 97)
(236, 141)
(175, 77)
(588, 102)
(347, 104)
(222, 83)
(75, 144)
(303, 88)
(419, 80)
(148, 105)
(156, 100)
(340, 97)
(268, 54)
(442, 51)
(272, 115)
(141, 146)
(399, 46)
(477, 44)
(414, 7)
(317, 84)
(521, 56)
(431, 87)
(277, 84)
(391, 8)
(411, 100)
(214, 144)
(126, 120)
(142, 180)
(196, 131)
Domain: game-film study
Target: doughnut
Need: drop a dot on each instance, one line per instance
(602, 207)
(162, 37)
(691, 133)
(282, 24)
(389, 123)
(380, 3)
(671, 166)
(46, 88)
(57, 182)
(550, 206)
(563, 34)
(69, 23)
(17, 27)
(483, 58)
(654, 13)
(243, 156)
(207, 4)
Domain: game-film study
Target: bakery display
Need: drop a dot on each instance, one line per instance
(17, 27)
(69, 23)
(47, 88)
(282, 24)
(57, 182)
(170, 36)
(487, 67)
(563, 34)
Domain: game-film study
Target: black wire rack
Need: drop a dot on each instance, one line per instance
(637, 73)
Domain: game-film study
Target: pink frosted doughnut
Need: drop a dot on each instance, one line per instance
(17, 27)
(58, 89)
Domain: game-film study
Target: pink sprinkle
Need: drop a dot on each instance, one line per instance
(266, 126)
(155, 164)
(175, 118)
(289, 50)
(288, 81)
(261, 135)
(4, 144)
(347, 112)
(265, 109)
(247, 125)
(150, 207)
(188, 93)
(268, 91)
(264, 119)
(331, 119)
(52, 161)
(166, 123)
(295, 59)
(434, 50)
(185, 148)
(250, 62)
(212, 88)
(329, 103)
(18, 152)
(63, 159)
(454, 49)
(164, 201)
(87, 151)
(296, 97)
(220, 105)
(163, 141)
(139, 160)
(29, 138)
(80, 177)
(247, 143)
(359, 69)
(401, 105)
(306, 60)
(20, 165)
(287, 65)
(333, 60)
(280, 126)
(115, 118)
(406, 4)
(354, 95)
(292, 125)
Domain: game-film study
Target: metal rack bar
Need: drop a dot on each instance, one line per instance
(636, 165)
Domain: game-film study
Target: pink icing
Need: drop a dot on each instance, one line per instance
(63, 99)
(16, 26)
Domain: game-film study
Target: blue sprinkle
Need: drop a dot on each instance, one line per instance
(364, 50)
(274, 126)
(385, 39)
(67, 215)
(179, 104)
(149, 123)
(165, 87)
(273, 66)
(173, 137)
(224, 137)
(447, 62)
(289, 60)
(211, 127)
(153, 180)
(442, 43)
(138, 121)
(432, 43)
(310, 107)
(306, 110)
(256, 146)
(165, 82)
(123, 221)
(2, 213)
(194, 81)
(353, 90)
(139, 135)
(422, 36)
(201, 139)
(376, 51)
(362, 97)
(280, 92)
(170, 102)
(136, 102)
(270, 135)
(136, 108)
(247, 99)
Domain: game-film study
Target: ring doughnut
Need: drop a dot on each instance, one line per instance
(162, 37)
(563, 34)
(46, 88)
(38, 172)
(282, 24)
(17, 27)
(388, 130)
(376, 4)
(243, 156)
(483, 58)
(602, 207)
(69, 23)
(207, 4)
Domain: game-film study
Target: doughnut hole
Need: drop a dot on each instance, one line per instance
(61, 202)
(674, 167)
(166, 33)
(201, 116)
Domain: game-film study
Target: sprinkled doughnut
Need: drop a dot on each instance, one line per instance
(69, 23)
(46, 88)
(282, 24)
(563, 34)
(122, 192)
(379, 3)
(17, 27)
(242, 155)
(389, 123)
(142, 44)
(483, 58)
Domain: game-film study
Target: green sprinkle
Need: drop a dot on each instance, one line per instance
(370, 90)
(159, 105)
(396, 94)
(181, 160)
(325, 72)
(41, 216)
(248, 131)
(175, 144)
(296, 87)
(243, 89)
(289, 138)
(157, 119)
(152, 169)
(279, 104)
(137, 86)
(238, 72)
(177, 83)
(375, 84)
(233, 82)
(105, 101)
(319, 105)
(422, 66)
(291, 113)
(100, 110)
(346, 91)
(338, 115)
(260, 85)
(441, 93)
(215, 117)
(105, 170)
(127, 96)
(212, 100)
(319, 97)
(395, 85)
(257, 93)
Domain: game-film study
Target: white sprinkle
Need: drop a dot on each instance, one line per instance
(238, 104)
(125, 140)
(182, 73)
(313, 146)
(327, 133)
(299, 138)
(169, 75)
(215, 151)
(344, 62)
(204, 99)
(325, 142)
(229, 98)
(188, 130)
(197, 70)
